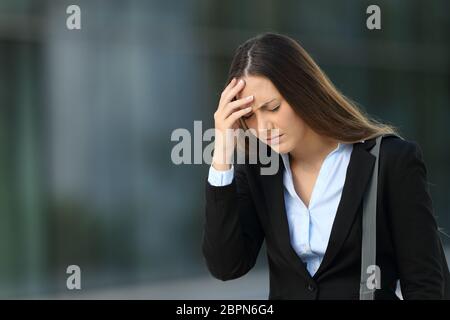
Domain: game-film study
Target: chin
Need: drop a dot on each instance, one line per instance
(280, 148)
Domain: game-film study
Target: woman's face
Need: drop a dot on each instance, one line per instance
(271, 115)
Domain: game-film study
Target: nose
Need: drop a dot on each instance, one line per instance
(265, 126)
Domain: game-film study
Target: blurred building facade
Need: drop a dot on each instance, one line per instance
(86, 117)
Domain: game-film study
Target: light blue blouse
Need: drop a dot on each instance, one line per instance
(309, 227)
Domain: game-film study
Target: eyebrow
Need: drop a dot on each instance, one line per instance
(266, 103)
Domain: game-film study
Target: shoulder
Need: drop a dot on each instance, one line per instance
(397, 147)
(393, 148)
(400, 155)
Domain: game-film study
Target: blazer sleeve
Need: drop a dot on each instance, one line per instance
(414, 229)
(232, 233)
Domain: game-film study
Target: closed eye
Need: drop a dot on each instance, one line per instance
(248, 116)
(276, 108)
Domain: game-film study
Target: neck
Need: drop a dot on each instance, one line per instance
(312, 150)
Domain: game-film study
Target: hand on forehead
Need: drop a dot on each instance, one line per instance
(260, 87)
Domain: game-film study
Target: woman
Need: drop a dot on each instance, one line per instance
(309, 212)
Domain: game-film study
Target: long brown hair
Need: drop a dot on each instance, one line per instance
(305, 87)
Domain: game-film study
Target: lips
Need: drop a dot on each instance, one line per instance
(274, 139)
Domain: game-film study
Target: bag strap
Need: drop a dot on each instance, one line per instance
(369, 230)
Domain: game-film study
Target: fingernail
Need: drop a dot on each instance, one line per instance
(241, 81)
(249, 97)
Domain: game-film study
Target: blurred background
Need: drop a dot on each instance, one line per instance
(86, 176)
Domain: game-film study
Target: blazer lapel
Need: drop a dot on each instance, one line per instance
(273, 190)
(359, 171)
(358, 174)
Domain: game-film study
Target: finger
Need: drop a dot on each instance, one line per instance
(231, 84)
(232, 106)
(228, 87)
(236, 115)
(234, 91)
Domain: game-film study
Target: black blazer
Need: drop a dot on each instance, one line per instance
(251, 209)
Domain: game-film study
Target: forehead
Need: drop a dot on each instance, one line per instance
(261, 87)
